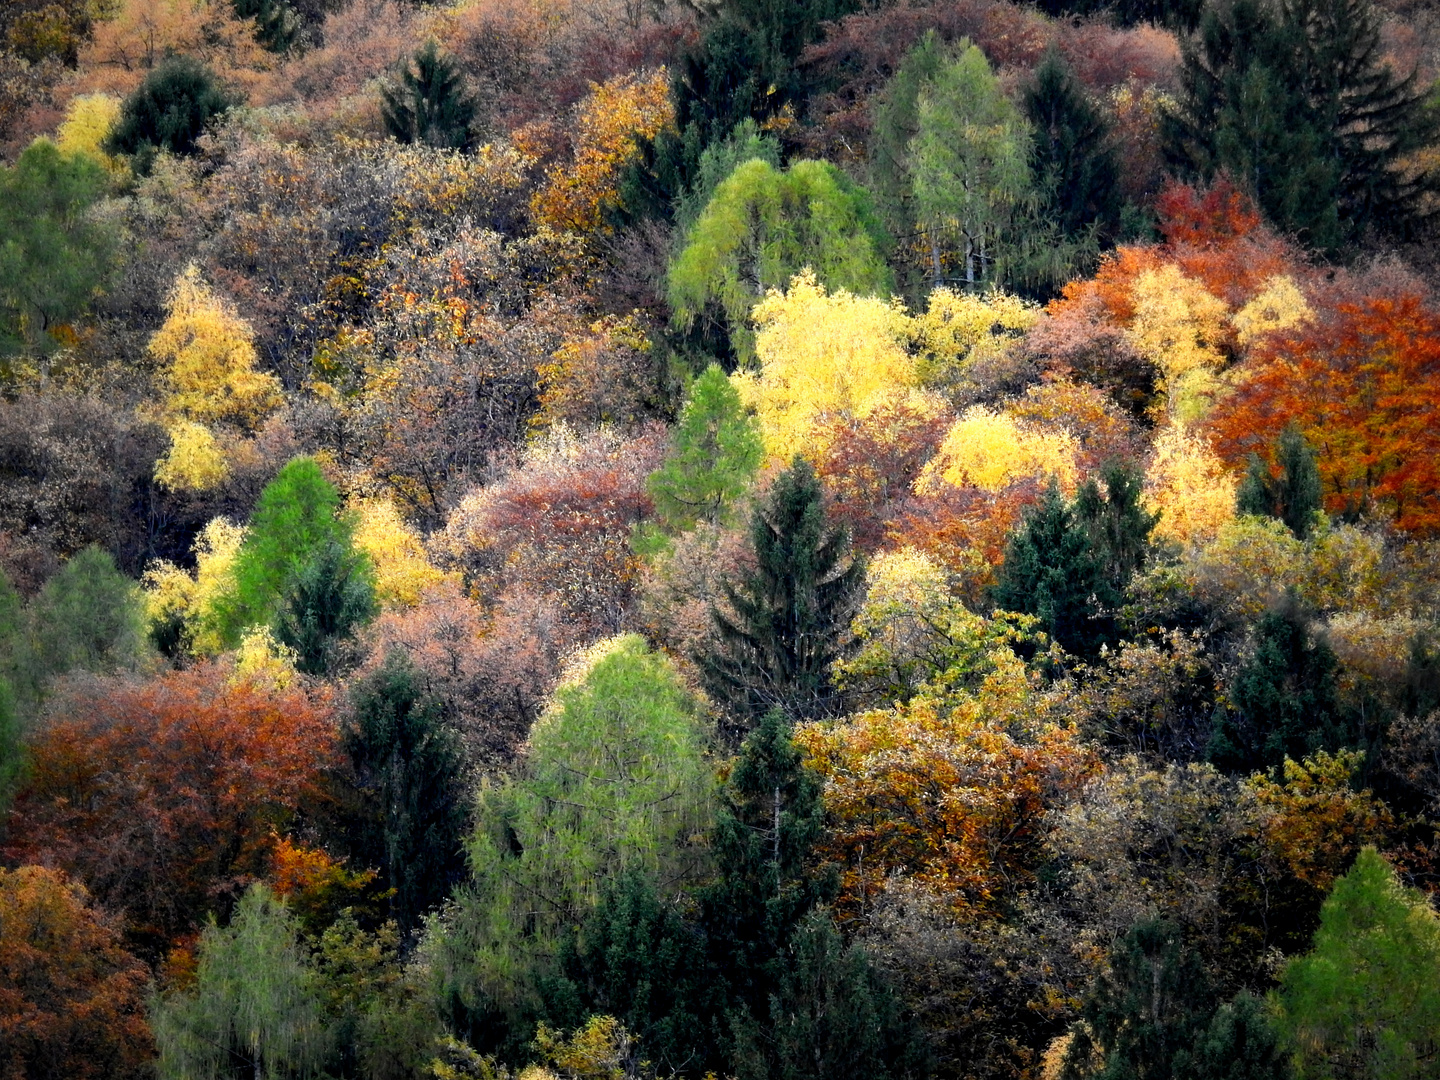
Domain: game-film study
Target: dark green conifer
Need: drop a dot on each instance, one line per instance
(326, 601)
(1295, 495)
(277, 27)
(1117, 523)
(431, 106)
(1240, 1043)
(791, 613)
(169, 110)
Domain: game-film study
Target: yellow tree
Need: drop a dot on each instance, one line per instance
(181, 606)
(89, 119)
(1189, 485)
(958, 329)
(609, 126)
(990, 450)
(825, 357)
(403, 572)
(1180, 325)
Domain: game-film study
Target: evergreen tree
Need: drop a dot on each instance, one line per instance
(54, 256)
(716, 451)
(431, 106)
(1052, 570)
(325, 602)
(277, 27)
(745, 143)
(169, 110)
(1365, 1002)
(791, 613)
(1295, 495)
(1074, 161)
(1284, 699)
(1241, 1043)
(1118, 526)
(253, 1011)
(409, 769)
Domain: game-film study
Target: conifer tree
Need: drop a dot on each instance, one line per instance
(791, 613)
(1295, 495)
(325, 602)
(409, 769)
(1241, 1042)
(276, 26)
(169, 111)
(1118, 525)
(431, 106)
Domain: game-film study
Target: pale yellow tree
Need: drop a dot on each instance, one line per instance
(194, 462)
(825, 357)
(186, 602)
(1278, 307)
(1179, 326)
(403, 572)
(990, 450)
(1189, 485)
(959, 329)
(89, 119)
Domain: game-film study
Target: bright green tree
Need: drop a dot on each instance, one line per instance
(715, 453)
(791, 614)
(760, 228)
(409, 769)
(431, 106)
(1365, 1001)
(253, 1010)
(55, 256)
(745, 143)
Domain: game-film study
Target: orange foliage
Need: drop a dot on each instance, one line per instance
(956, 799)
(164, 796)
(316, 886)
(72, 1000)
(959, 525)
(1362, 381)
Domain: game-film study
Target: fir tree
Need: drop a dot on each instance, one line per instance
(431, 106)
(1074, 161)
(327, 600)
(791, 613)
(409, 770)
(276, 26)
(1240, 1043)
(169, 110)
(1118, 526)
(1295, 495)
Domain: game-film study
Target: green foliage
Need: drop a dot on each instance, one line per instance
(326, 601)
(12, 749)
(277, 26)
(1299, 104)
(296, 519)
(716, 451)
(431, 106)
(1116, 522)
(1365, 1002)
(615, 782)
(1073, 158)
(763, 226)
(745, 143)
(169, 111)
(1241, 1043)
(791, 613)
(1295, 495)
(409, 769)
(254, 1006)
(55, 256)
(1284, 698)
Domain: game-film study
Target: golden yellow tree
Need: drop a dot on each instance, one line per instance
(403, 572)
(990, 450)
(825, 357)
(89, 119)
(1179, 325)
(1188, 483)
(182, 604)
(1278, 307)
(609, 126)
(957, 329)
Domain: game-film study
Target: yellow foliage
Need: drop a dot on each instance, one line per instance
(1279, 306)
(1179, 325)
(609, 125)
(210, 356)
(89, 119)
(824, 357)
(989, 450)
(262, 661)
(402, 571)
(1190, 486)
(172, 595)
(194, 461)
(957, 328)
(601, 1050)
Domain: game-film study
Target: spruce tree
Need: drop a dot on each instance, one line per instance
(1118, 526)
(1074, 161)
(408, 766)
(791, 613)
(169, 110)
(431, 106)
(1295, 495)
(326, 601)
(1241, 1042)
(277, 27)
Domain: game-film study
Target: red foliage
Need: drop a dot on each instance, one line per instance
(164, 797)
(1362, 382)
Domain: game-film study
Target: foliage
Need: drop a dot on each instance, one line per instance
(1295, 495)
(56, 256)
(761, 227)
(1188, 486)
(89, 120)
(170, 110)
(403, 570)
(1363, 1001)
(959, 333)
(992, 450)
(431, 105)
(788, 618)
(252, 1004)
(326, 600)
(71, 997)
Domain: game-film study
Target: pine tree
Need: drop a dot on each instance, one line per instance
(326, 601)
(409, 769)
(1295, 495)
(431, 106)
(1052, 570)
(1241, 1043)
(169, 111)
(1074, 161)
(792, 612)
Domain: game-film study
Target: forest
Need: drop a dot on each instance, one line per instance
(719, 539)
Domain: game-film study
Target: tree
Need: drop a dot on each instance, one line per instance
(277, 27)
(715, 452)
(295, 520)
(254, 1005)
(409, 768)
(1366, 1000)
(1295, 495)
(169, 111)
(1074, 159)
(1242, 1043)
(72, 1000)
(760, 228)
(55, 256)
(1118, 523)
(431, 105)
(325, 602)
(791, 613)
